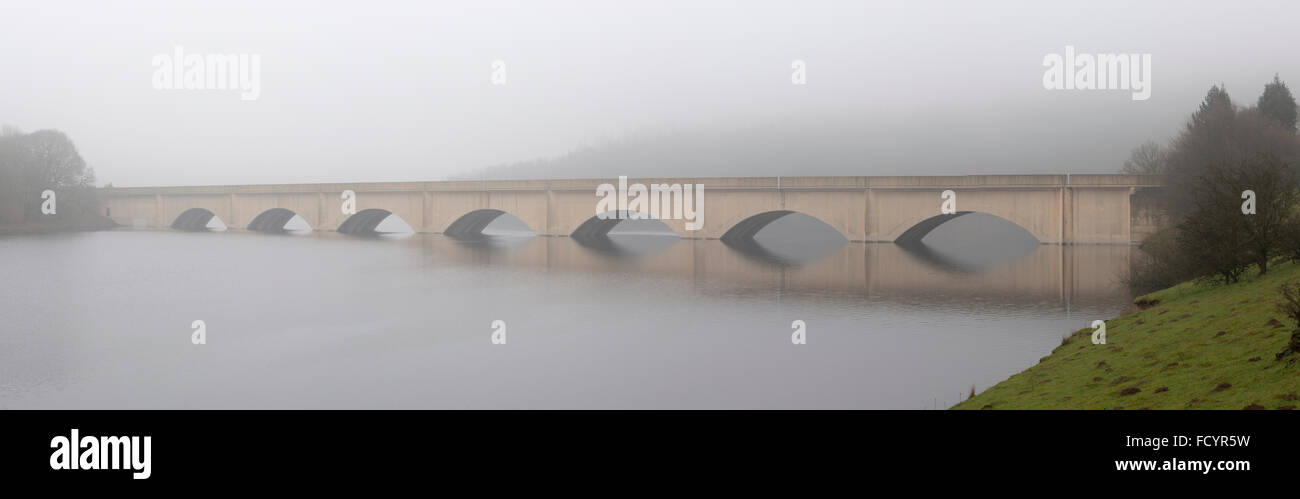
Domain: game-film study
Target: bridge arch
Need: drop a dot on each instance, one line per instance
(917, 229)
(597, 227)
(365, 222)
(743, 232)
(195, 219)
(272, 220)
(471, 225)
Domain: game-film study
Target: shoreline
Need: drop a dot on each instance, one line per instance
(92, 224)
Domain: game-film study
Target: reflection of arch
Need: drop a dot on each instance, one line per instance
(596, 227)
(492, 244)
(751, 249)
(364, 221)
(914, 234)
(935, 259)
(193, 219)
(628, 247)
(272, 220)
(471, 225)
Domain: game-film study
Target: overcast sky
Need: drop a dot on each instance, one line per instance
(376, 90)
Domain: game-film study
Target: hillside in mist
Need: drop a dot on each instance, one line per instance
(989, 144)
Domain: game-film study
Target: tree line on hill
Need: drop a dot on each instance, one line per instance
(1232, 194)
(1231, 191)
(32, 163)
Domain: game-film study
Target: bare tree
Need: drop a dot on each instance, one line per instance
(1270, 226)
(1213, 235)
(11, 178)
(1146, 159)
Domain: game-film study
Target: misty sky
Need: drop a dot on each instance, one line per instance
(375, 91)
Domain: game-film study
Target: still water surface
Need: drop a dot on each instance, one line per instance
(103, 320)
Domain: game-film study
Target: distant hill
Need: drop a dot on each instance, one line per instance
(762, 150)
(1019, 142)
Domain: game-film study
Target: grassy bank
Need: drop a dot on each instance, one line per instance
(1198, 347)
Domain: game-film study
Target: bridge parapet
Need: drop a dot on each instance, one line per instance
(711, 183)
(1080, 180)
(966, 181)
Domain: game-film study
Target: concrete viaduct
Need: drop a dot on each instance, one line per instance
(1056, 209)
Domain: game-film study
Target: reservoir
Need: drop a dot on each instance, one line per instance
(323, 320)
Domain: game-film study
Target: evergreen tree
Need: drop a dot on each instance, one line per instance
(1277, 103)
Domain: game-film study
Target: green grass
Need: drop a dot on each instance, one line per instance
(1200, 347)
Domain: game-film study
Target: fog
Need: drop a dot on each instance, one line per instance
(386, 91)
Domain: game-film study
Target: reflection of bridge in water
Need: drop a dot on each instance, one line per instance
(1066, 275)
(1062, 211)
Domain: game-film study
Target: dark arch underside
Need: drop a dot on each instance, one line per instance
(193, 219)
(743, 232)
(914, 235)
(471, 225)
(272, 220)
(364, 222)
